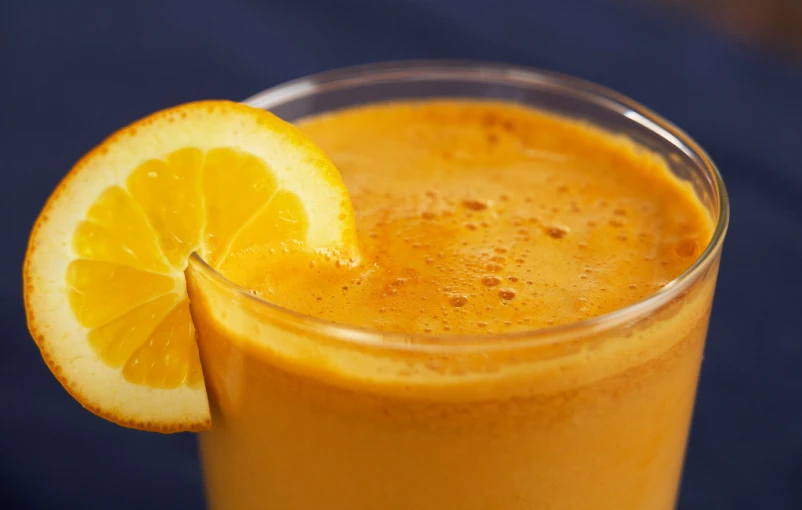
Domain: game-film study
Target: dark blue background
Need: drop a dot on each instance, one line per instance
(74, 71)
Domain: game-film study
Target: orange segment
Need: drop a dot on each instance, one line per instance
(235, 186)
(279, 226)
(168, 192)
(105, 291)
(169, 359)
(116, 341)
(102, 291)
(116, 230)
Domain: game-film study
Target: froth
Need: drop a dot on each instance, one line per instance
(487, 217)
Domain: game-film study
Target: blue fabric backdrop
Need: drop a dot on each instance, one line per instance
(74, 71)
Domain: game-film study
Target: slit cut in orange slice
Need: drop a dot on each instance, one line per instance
(104, 285)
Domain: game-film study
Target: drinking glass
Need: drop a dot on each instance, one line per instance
(312, 415)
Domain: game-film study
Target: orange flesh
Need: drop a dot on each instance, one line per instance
(136, 239)
(487, 218)
(459, 206)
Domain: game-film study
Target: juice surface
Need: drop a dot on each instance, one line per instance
(473, 217)
(486, 217)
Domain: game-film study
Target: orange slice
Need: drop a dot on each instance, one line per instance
(105, 291)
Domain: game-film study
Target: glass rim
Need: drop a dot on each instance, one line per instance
(508, 74)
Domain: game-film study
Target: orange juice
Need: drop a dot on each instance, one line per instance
(486, 231)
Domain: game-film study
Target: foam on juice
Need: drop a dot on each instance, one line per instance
(486, 217)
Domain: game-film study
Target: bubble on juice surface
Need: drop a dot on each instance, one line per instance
(506, 294)
(556, 231)
(458, 300)
(491, 281)
(687, 247)
(475, 205)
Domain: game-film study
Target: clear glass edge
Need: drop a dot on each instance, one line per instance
(419, 70)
